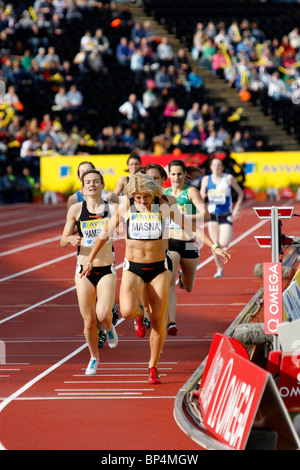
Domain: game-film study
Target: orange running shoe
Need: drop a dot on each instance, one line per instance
(154, 377)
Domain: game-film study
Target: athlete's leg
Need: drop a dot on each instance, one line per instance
(86, 294)
(130, 291)
(172, 301)
(189, 269)
(106, 290)
(157, 291)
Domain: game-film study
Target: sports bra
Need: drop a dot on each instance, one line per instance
(185, 206)
(145, 225)
(90, 225)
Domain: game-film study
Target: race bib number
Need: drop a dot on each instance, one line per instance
(217, 196)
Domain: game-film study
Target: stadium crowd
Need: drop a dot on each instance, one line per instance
(170, 92)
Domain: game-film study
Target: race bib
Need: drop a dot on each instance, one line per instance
(91, 230)
(145, 226)
(217, 196)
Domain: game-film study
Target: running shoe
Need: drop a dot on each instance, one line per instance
(147, 323)
(112, 338)
(115, 313)
(102, 338)
(139, 325)
(218, 274)
(92, 367)
(180, 285)
(154, 377)
(172, 329)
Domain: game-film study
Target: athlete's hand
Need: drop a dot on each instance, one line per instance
(86, 269)
(226, 256)
(74, 240)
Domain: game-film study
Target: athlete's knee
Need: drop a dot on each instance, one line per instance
(127, 311)
(90, 324)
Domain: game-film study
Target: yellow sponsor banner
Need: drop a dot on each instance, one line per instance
(59, 173)
(270, 169)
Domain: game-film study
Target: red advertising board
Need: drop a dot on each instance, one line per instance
(273, 316)
(289, 381)
(231, 392)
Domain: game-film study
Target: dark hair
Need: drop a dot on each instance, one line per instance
(157, 167)
(134, 155)
(92, 170)
(84, 163)
(192, 172)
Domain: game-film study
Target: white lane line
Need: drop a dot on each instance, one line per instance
(39, 266)
(34, 229)
(38, 304)
(144, 397)
(29, 384)
(104, 389)
(30, 245)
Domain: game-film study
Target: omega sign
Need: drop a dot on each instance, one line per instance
(230, 393)
(272, 297)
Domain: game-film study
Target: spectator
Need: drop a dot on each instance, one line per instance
(86, 42)
(195, 79)
(50, 59)
(60, 100)
(137, 33)
(101, 43)
(294, 38)
(133, 110)
(95, 61)
(29, 148)
(12, 98)
(141, 143)
(218, 62)
(123, 52)
(164, 52)
(11, 187)
(162, 78)
(150, 97)
(193, 115)
(198, 41)
(276, 87)
(137, 64)
(208, 52)
(213, 143)
(74, 98)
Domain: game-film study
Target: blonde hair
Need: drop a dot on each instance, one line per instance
(140, 183)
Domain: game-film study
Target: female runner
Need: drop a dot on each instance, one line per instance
(145, 266)
(134, 163)
(181, 246)
(96, 292)
(158, 173)
(217, 188)
(79, 196)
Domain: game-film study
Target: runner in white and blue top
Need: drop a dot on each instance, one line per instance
(217, 189)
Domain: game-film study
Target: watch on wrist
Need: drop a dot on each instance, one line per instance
(215, 246)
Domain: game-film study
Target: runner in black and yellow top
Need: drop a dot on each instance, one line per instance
(79, 196)
(144, 212)
(183, 251)
(96, 292)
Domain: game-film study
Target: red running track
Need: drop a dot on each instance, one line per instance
(46, 401)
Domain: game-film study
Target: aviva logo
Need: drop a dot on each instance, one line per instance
(64, 171)
(94, 223)
(281, 168)
(250, 168)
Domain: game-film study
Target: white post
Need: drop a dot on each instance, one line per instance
(275, 255)
(2, 353)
